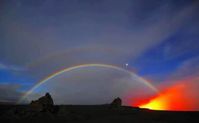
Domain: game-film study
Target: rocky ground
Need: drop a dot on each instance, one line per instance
(44, 110)
(91, 114)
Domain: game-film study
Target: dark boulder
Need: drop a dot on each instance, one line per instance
(44, 103)
(116, 102)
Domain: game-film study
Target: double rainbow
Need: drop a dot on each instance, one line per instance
(86, 66)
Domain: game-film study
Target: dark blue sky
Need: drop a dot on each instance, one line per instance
(157, 38)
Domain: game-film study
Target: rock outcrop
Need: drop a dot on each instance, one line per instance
(44, 103)
(116, 102)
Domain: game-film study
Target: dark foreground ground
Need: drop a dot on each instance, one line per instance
(93, 114)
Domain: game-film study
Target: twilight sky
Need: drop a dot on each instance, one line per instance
(157, 38)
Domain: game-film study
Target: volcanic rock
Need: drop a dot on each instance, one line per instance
(116, 102)
(44, 103)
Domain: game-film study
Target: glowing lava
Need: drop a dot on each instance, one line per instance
(171, 99)
(155, 105)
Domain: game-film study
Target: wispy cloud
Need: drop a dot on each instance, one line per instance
(187, 69)
(9, 92)
(48, 36)
(11, 67)
(88, 35)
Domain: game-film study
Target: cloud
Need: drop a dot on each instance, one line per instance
(87, 35)
(188, 69)
(11, 67)
(2, 66)
(48, 36)
(9, 93)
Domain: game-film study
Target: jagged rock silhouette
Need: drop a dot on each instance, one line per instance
(116, 102)
(44, 110)
(44, 103)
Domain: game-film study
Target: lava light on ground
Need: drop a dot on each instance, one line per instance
(170, 99)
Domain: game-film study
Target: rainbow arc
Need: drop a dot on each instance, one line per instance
(86, 66)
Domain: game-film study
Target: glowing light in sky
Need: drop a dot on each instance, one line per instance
(173, 98)
(155, 105)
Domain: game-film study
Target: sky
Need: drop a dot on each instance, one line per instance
(158, 39)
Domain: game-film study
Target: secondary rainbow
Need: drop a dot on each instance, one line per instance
(85, 66)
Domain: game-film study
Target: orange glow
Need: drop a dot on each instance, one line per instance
(171, 99)
(154, 104)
